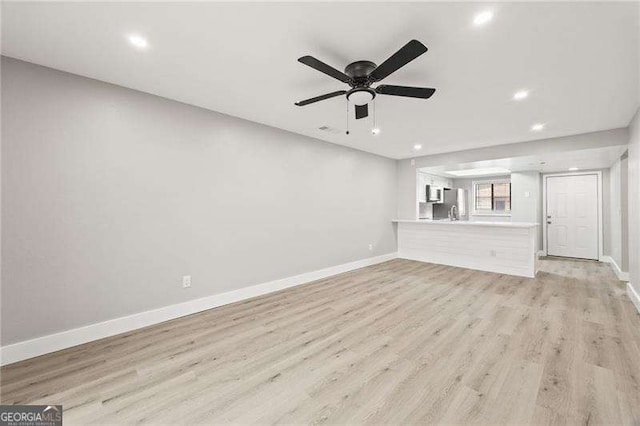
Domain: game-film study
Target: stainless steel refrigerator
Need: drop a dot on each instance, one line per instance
(453, 197)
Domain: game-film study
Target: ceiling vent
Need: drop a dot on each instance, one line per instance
(330, 129)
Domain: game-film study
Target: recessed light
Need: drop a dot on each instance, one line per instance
(573, 169)
(417, 147)
(375, 131)
(537, 127)
(483, 17)
(138, 41)
(520, 95)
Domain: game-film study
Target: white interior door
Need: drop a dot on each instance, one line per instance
(572, 216)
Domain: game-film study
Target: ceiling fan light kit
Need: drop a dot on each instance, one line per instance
(360, 75)
(360, 96)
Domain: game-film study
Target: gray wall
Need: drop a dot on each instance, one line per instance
(407, 190)
(606, 212)
(613, 244)
(617, 243)
(110, 195)
(634, 202)
(527, 208)
(624, 208)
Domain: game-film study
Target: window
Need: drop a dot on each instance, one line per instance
(492, 197)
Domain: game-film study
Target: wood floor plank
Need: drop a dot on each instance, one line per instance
(401, 342)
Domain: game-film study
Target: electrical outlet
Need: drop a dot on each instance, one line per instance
(493, 253)
(370, 247)
(186, 281)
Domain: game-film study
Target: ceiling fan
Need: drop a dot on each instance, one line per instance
(361, 75)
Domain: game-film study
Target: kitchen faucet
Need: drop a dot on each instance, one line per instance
(453, 212)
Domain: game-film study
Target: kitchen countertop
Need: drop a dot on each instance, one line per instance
(467, 223)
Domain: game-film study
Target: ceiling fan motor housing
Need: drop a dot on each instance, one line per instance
(359, 72)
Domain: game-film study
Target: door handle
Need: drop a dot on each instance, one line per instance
(548, 222)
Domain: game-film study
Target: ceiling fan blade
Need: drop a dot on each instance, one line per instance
(402, 57)
(410, 92)
(321, 98)
(362, 111)
(324, 68)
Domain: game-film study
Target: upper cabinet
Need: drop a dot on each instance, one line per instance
(425, 179)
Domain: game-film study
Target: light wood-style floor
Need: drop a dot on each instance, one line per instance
(401, 342)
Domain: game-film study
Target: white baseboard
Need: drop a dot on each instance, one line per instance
(622, 276)
(77, 336)
(634, 296)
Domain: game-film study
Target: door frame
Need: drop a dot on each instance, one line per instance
(598, 173)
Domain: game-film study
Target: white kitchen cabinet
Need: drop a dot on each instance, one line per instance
(427, 179)
(424, 179)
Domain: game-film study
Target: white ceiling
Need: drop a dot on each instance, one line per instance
(583, 159)
(579, 61)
